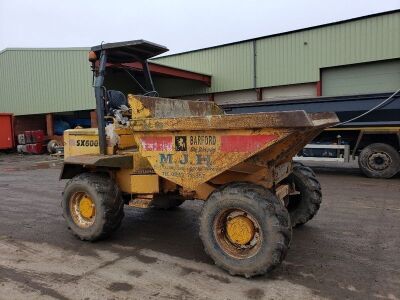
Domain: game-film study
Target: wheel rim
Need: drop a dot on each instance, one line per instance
(237, 233)
(83, 209)
(379, 161)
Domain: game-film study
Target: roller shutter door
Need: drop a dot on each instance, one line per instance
(368, 78)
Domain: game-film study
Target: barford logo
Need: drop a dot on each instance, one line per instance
(180, 143)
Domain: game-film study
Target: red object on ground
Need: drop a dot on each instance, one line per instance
(36, 148)
(6, 131)
(37, 136)
(28, 137)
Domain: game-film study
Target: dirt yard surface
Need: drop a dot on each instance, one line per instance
(351, 250)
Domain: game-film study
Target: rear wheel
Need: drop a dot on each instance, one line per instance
(379, 160)
(245, 229)
(304, 204)
(92, 206)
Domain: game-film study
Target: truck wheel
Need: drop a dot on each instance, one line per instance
(166, 202)
(303, 206)
(245, 229)
(379, 160)
(92, 206)
(52, 145)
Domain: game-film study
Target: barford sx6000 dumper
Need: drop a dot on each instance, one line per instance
(157, 152)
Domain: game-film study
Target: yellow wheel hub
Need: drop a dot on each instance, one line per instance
(240, 230)
(86, 207)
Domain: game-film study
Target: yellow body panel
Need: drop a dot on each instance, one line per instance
(145, 184)
(137, 184)
(123, 179)
(126, 141)
(137, 107)
(80, 142)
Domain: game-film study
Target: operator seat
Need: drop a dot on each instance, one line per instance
(115, 99)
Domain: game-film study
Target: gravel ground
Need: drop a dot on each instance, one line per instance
(349, 250)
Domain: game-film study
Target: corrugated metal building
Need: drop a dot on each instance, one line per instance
(34, 81)
(356, 56)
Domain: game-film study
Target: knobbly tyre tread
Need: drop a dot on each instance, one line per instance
(392, 170)
(310, 193)
(270, 210)
(108, 202)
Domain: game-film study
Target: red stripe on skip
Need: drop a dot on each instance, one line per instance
(245, 143)
(156, 143)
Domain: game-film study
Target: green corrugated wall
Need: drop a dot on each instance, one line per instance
(43, 80)
(375, 77)
(291, 58)
(231, 68)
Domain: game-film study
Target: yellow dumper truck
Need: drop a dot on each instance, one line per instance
(155, 152)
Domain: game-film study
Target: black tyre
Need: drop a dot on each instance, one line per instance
(245, 229)
(52, 146)
(92, 206)
(166, 202)
(379, 160)
(303, 205)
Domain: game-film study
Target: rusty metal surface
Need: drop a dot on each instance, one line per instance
(282, 191)
(284, 149)
(110, 161)
(282, 120)
(141, 202)
(324, 119)
(192, 150)
(167, 108)
(190, 158)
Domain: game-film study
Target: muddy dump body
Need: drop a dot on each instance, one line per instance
(196, 146)
(196, 143)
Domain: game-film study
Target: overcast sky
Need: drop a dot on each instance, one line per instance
(178, 24)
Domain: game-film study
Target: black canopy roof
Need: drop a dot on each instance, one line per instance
(130, 51)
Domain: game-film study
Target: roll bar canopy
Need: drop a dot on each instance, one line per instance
(119, 53)
(129, 51)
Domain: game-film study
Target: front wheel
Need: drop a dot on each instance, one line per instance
(92, 206)
(245, 229)
(379, 160)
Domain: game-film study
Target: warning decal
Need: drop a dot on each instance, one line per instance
(156, 143)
